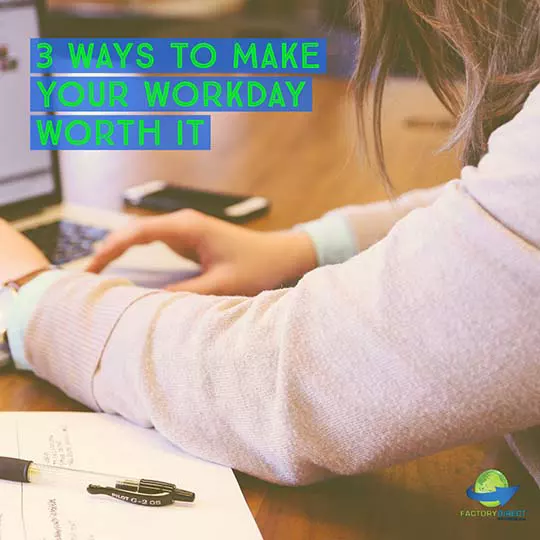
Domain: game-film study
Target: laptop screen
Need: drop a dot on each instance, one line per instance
(24, 174)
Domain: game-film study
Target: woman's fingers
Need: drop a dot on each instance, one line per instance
(171, 229)
(117, 243)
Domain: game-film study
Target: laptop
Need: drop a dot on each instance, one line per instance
(30, 181)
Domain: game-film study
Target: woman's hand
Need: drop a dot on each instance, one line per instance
(18, 256)
(234, 260)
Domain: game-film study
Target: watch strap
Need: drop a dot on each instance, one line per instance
(16, 284)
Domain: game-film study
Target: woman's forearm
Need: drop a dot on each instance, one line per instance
(403, 351)
(345, 232)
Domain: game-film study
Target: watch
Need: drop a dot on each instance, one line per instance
(8, 295)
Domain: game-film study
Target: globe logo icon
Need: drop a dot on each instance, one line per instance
(492, 489)
(488, 482)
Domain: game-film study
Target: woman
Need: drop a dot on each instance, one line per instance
(419, 330)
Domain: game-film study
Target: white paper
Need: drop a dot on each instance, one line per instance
(110, 445)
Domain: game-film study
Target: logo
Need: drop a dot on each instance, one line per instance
(492, 490)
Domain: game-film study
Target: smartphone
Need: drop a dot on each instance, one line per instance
(162, 197)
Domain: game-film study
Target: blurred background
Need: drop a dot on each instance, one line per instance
(217, 18)
(305, 163)
(210, 18)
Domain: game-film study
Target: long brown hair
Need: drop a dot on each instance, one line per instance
(496, 42)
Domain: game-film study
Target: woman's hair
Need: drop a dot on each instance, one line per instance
(480, 57)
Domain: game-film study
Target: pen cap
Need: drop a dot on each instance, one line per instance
(14, 470)
(181, 495)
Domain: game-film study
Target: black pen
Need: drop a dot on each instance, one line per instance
(134, 491)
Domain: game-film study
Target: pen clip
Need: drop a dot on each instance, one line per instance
(165, 498)
(153, 487)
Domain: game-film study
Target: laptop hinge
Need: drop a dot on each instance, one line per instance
(22, 211)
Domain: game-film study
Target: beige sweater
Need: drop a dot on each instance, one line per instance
(428, 339)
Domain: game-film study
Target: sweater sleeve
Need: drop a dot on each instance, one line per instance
(343, 233)
(427, 340)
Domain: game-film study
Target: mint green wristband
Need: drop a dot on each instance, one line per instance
(333, 238)
(27, 300)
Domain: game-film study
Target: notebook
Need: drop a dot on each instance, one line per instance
(108, 444)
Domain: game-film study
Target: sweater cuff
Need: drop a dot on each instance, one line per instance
(25, 304)
(333, 238)
(64, 345)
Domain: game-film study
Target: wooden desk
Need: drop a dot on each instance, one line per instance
(306, 164)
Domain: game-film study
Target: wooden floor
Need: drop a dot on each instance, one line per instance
(307, 164)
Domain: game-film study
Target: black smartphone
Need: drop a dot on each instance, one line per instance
(162, 197)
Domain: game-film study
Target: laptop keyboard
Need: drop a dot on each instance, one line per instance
(65, 241)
